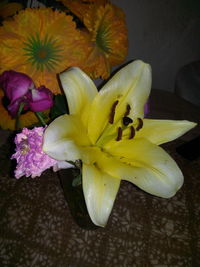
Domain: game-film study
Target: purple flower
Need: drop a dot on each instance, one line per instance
(15, 86)
(31, 160)
(14, 107)
(146, 108)
(19, 88)
(40, 99)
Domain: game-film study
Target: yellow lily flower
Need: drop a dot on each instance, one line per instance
(107, 131)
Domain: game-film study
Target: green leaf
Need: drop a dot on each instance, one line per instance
(60, 107)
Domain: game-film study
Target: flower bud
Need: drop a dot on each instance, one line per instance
(19, 88)
(40, 99)
(15, 84)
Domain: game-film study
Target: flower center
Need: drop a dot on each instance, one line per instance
(44, 53)
(126, 121)
(102, 38)
(24, 146)
(115, 129)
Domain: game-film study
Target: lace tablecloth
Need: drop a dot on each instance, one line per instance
(36, 227)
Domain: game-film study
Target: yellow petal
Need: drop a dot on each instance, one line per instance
(100, 190)
(162, 131)
(63, 137)
(131, 85)
(79, 90)
(146, 165)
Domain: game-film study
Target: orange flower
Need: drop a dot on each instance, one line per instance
(106, 35)
(41, 43)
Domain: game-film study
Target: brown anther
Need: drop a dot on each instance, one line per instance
(112, 113)
(128, 109)
(140, 124)
(119, 134)
(132, 133)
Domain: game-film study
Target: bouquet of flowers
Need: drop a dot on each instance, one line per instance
(103, 133)
(43, 42)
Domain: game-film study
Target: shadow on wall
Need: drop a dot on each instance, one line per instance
(164, 34)
(187, 83)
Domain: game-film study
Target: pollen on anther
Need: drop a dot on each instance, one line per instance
(132, 132)
(112, 113)
(119, 134)
(140, 124)
(128, 109)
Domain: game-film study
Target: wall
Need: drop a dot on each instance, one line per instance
(164, 33)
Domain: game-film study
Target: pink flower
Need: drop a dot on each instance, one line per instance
(19, 88)
(31, 160)
(15, 86)
(40, 99)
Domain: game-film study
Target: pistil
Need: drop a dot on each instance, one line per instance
(127, 121)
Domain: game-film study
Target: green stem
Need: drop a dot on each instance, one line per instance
(39, 116)
(17, 122)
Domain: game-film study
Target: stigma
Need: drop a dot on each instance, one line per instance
(127, 121)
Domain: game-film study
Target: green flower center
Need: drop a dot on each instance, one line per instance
(44, 54)
(102, 38)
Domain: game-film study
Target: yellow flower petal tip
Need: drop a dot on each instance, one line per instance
(167, 130)
(107, 131)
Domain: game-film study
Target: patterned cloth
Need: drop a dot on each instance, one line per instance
(37, 229)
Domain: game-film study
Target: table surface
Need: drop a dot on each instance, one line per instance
(37, 229)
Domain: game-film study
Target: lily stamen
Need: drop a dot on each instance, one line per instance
(128, 109)
(119, 134)
(112, 113)
(140, 124)
(132, 133)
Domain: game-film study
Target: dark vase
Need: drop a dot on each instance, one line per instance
(75, 198)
